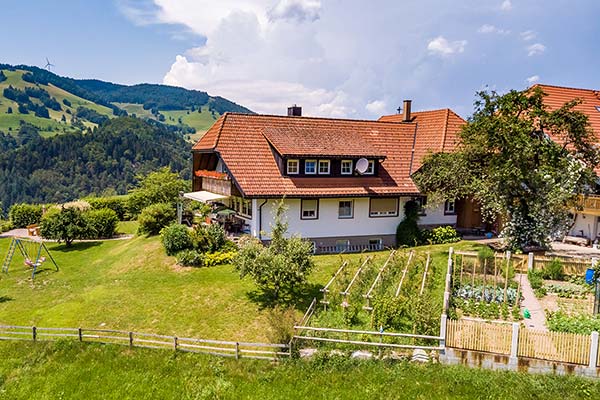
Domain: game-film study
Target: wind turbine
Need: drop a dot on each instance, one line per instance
(48, 64)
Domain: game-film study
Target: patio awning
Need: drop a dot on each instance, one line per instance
(204, 196)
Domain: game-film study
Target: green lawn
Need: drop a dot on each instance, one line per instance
(69, 370)
(133, 285)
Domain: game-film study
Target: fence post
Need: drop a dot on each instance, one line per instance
(594, 350)
(34, 333)
(514, 344)
(237, 351)
(80, 334)
(443, 328)
(130, 339)
(530, 261)
(175, 343)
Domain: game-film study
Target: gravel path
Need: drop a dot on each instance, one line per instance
(530, 302)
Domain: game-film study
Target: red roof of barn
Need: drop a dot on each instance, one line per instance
(247, 142)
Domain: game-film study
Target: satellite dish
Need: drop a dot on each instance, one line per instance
(362, 165)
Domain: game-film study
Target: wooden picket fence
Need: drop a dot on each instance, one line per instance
(263, 351)
(497, 338)
(554, 346)
(474, 335)
(571, 265)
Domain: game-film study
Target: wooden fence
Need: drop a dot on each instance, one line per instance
(474, 335)
(554, 346)
(522, 262)
(264, 351)
(512, 340)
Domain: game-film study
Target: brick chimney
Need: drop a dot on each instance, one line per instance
(294, 111)
(406, 111)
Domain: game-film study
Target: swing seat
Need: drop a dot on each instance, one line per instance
(29, 263)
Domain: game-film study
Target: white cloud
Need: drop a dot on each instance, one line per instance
(298, 10)
(533, 79)
(376, 107)
(441, 46)
(506, 5)
(528, 35)
(486, 28)
(535, 49)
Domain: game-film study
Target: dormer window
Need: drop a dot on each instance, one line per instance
(293, 167)
(371, 169)
(324, 167)
(310, 167)
(346, 167)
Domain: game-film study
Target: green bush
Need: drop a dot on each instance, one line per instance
(5, 226)
(554, 270)
(100, 224)
(442, 235)
(218, 258)
(175, 238)
(116, 203)
(582, 324)
(64, 225)
(24, 214)
(190, 258)
(155, 217)
(536, 279)
(408, 232)
(209, 238)
(161, 186)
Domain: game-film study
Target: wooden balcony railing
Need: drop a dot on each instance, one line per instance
(590, 204)
(215, 182)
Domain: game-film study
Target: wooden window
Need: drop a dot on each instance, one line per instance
(346, 167)
(310, 167)
(383, 207)
(371, 168)
(342, 245)
(375, 244)
(293, 167)
(346, 209)
(309, 209)
(422, 202)
(324, 167)
(450, 207)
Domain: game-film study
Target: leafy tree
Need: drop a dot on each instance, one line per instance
(2, 76)
(155, 217)
(162, 186)
(9, 110)
(63, 225)
(281, 269)
(508, 162)
(66, 102)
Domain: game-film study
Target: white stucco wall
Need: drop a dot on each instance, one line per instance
(329, 225)
(586, 224)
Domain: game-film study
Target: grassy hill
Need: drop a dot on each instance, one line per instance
(70, 370)
(192, 112)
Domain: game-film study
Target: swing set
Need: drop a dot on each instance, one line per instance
(31, 250)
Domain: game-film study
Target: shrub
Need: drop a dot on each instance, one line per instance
(24, 214)
(5, 226)
(190, 258)
(209, 238)
(536, 279)
(554, 270)
(175, 238)
(582, 324)
(155, 217)
(161, 186)
(64, 225)
(408, 232)
(100, 224)
(218, 258)
(116, 203)
(442, 235)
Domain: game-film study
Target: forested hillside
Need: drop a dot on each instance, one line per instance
(75, 164)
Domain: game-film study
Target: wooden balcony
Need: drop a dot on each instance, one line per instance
(590, 204)
(214, 182)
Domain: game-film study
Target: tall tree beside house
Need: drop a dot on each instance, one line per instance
(520, 162)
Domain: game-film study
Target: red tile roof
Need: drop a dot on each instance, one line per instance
(246, 143)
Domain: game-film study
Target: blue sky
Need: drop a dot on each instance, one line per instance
(343, 58)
